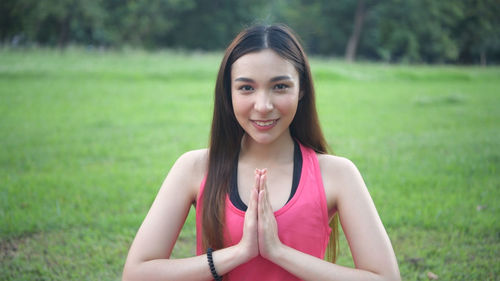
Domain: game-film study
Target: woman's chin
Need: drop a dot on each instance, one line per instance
(264, 139)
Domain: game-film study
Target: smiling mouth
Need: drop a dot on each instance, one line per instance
(265, 123)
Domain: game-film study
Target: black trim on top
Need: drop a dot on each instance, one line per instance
(234, 195)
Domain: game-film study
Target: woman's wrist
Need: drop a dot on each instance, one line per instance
(225, 260)
(245, 252)
(210, 260)
(276, 253)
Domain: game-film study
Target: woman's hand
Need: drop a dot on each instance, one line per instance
(249, 240)
(260, 230)
(269, 241)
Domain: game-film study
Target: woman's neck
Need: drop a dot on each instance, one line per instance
(279, 151)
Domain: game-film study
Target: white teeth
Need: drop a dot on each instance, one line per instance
(267, 123)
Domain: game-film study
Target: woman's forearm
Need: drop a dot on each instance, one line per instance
(307, 267)
(193, 268)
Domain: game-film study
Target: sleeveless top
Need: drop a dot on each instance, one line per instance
(302, 224)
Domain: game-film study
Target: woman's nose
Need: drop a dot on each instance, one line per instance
(263, 102)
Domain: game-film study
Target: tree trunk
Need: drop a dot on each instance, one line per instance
(63, 33)
(352, 45)
(482, 56)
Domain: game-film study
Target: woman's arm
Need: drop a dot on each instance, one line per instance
(193, 268)
(149, 255)
(371, 249)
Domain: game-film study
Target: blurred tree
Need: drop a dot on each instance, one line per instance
(352, 44)
(56, 22)
(327, 27)
(417, 30)
(51, 22)
(145, 23)
(392, 30)
(323, 25)
(212, 24)
(478, 31)
(10, 20)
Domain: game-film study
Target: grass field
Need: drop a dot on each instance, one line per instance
(88, 137)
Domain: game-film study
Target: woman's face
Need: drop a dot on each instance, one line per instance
(265, 94)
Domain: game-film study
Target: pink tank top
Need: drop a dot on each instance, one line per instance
(302, 224)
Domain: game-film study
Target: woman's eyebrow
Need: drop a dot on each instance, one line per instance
(243, 79)
(274, 79)
(279, 78)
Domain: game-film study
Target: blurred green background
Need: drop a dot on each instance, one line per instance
(459, 31)
(99, 98)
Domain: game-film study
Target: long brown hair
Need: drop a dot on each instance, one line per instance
(226, 133)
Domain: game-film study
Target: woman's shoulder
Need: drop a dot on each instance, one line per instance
(195, 161)
(190, 169)
(334, 163)
(339, 174)
(195, 156)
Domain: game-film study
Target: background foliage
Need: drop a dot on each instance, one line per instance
(458, 31)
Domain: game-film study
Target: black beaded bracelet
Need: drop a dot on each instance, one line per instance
(211, 265)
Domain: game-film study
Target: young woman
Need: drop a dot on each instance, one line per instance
(267, 194)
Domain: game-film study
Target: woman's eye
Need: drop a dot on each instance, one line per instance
(245, 88)
(280, 87)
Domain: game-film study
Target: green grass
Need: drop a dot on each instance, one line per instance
(88, 137)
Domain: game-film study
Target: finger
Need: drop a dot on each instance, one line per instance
(252, 205)
(251, 214)
(259, 173)
(263, 180)
(264, 200)
(263, 172)
(254, 210)
(262, 204)
(257, 179)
